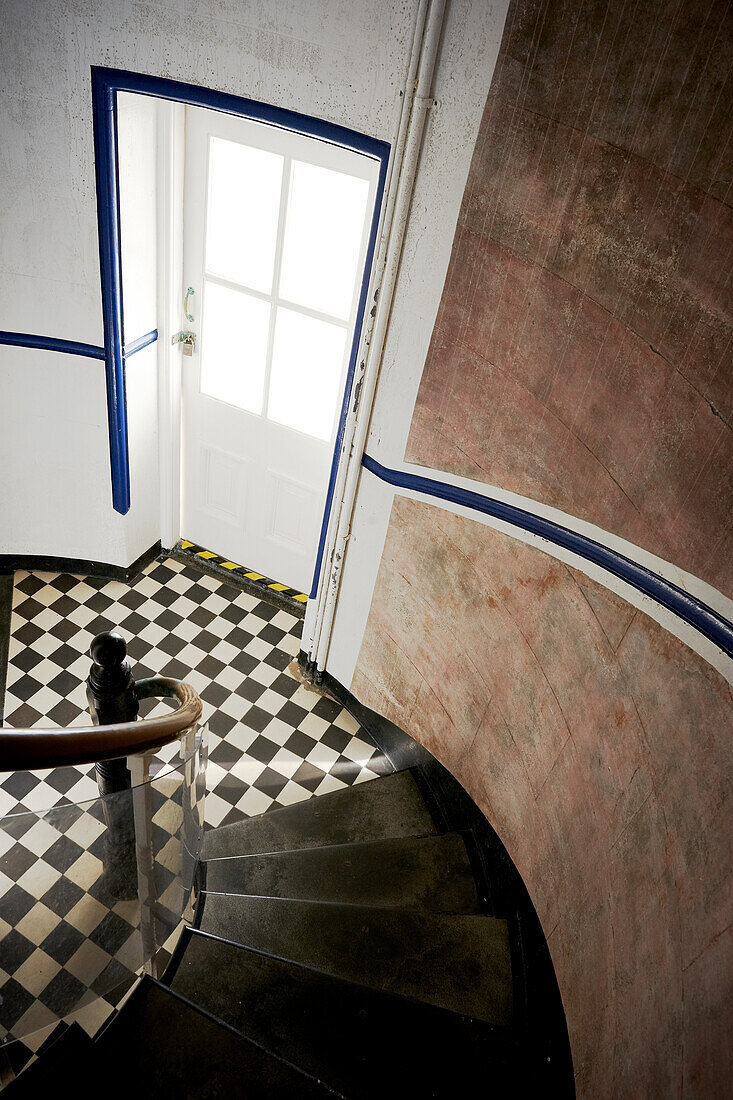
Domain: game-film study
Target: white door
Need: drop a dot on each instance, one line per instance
(276, 228)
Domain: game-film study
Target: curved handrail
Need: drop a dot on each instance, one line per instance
(25, 750)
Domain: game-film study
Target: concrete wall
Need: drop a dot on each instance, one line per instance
(579, 367)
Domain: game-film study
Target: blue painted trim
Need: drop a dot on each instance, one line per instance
(105, 85)
(141, 342)
(350, 373)
(664, 592)
(50, 343)
(104, 110)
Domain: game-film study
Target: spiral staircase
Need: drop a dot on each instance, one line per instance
(351, 945)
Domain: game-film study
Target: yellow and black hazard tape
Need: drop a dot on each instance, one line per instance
(256, 579)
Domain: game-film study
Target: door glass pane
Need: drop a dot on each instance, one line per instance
(307, 362)
(234, 346)
(243, 207)
(323, 234)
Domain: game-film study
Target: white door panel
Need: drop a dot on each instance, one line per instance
(275, 237)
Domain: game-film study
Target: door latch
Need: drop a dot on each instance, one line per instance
(187, 339)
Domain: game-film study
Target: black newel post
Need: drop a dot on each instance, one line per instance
(112, 699)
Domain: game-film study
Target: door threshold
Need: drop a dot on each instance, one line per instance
(239, 576)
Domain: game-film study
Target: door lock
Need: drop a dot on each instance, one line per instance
(187, 340)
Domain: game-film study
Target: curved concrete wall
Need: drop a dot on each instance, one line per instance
(599, 747)
(581, 359)
(582, 351)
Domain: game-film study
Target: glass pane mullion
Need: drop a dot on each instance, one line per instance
(327, 317)
(277, 267)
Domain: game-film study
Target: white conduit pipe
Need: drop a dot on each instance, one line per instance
(391, 190)
(394, 236)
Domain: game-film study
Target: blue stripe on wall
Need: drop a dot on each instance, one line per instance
(688, 608)
(50, 343)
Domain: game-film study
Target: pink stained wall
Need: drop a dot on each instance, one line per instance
(582, 352)
(600, 749)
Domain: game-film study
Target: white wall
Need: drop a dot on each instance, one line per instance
(335, 59)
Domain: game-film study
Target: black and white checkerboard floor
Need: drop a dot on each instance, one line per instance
(67, 944)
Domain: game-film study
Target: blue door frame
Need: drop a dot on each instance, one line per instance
(106, 83)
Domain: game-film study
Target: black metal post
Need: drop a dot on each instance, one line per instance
(112, 699)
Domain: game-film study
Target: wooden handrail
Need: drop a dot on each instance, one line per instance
(25, 750)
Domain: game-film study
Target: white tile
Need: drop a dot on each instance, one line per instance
(38, 923)
(254, 802)
(292, 793)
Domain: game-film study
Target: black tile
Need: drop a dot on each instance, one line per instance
(63, 993)
(98, 602)
(64, 582)
(278, 659)
(271, 782)
(15, 903)
(300, 743)
(292, 714)
(176, 669)
(272, 634)
(257, 719)
(262, 749)
(210, 666)
(214, 694)
(231, 789)
(285, 685)
(113, 982)
(28, 609)
(225, 755)
(62, 896)
(134, 623)
(239, 638)
(26, 660)
(244, 663)
(16, 862)
(101, 625)
(22, 717)
(327, 709)
(63, 853)
(18, 784)
(251, 690)
(63, 942)
(30, 585)
(28, 633)
(201, 616)
(64, 683)
(14, 950)
(168, 620)
(162, 574)
(233, 613)
(132, 599)
(171, 644)
(205, 641)
(336, 738)
(165, 596)
(24, 687)
(111, 933)
(65, 655)
(64, 630)
(64, 605)
(265, 610)
(309, 776)
(14, 1003)
(221, 724)
(65, 713)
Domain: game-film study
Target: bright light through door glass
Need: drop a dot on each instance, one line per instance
(234, 346)
(243, 207)
(323, 234)
(307, 362)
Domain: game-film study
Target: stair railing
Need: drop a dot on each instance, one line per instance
(149, 816)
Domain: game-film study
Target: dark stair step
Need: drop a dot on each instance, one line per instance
(162, 1045)
(390, 806)
(70, 1046)
(363, 1043)
(461, 963)
(432, 873)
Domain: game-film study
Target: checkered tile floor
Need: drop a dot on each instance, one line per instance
(69, 946)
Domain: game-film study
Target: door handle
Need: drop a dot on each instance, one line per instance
(189, 293)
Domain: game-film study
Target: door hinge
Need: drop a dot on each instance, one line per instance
(187, 339)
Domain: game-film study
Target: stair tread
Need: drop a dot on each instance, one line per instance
(432, 873)
(461, 963)
(387, 807)
(362, 1042)
(163, 1043)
